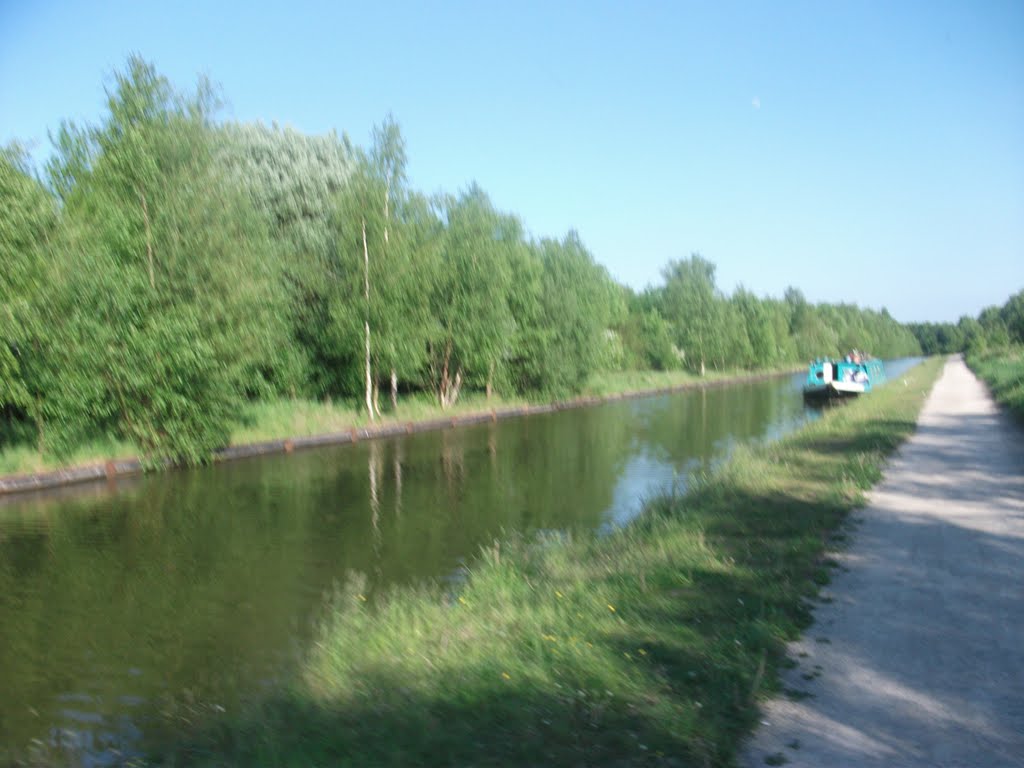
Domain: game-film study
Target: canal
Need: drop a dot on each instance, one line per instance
(129, 613)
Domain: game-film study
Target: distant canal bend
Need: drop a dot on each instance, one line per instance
(128, 613)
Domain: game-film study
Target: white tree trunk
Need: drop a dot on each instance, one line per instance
(366, 323)
(394, 390)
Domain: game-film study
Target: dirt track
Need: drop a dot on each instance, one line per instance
(918, 660)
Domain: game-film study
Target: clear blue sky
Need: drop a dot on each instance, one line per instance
(862, 151)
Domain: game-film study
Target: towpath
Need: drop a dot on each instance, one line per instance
(918, 660)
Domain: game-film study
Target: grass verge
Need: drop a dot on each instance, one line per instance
(281, 419)
(649, 646)
(300, 418)
(1003, 371)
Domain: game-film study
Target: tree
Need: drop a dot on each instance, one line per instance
(647, 336)
(170, 305)
(1012, 315)
(691, 305)
(973, 334)
(577, 303)
(293, 181)
(383, 251)
(28, 222)
(763, 345)
(470, 300)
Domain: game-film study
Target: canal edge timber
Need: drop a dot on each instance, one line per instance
(111, 469)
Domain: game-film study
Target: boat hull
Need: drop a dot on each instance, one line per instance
(833, 390)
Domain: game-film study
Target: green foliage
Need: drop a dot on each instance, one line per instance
(995, 328)
(649, 336)
(292, 181)
(166, 303)
(177, 268)
(649, 645)
(381, 244)
(1011, 316)
(28, 220)
(575, 310)
(691, 304)
(1003, 371)
(471, 293)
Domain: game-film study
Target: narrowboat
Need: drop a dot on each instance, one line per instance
(853, 375)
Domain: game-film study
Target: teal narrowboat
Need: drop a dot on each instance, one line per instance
(853, 375)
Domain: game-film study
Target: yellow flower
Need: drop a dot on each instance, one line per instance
(611, 607)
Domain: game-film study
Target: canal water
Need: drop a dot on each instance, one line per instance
(128, 613)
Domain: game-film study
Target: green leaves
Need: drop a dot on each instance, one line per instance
(28, 220)
(175, 268)
(166, 303)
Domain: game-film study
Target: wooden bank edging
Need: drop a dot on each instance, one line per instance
(114, 468)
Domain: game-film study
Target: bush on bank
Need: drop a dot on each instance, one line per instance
(1003, 371)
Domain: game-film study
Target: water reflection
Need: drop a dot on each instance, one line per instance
(127, 616)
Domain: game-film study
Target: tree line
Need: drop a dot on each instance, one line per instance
(165, 268)
(994, 328)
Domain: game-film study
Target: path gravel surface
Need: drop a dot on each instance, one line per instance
(916, 657)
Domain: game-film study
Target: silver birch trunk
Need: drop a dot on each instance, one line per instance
(366, 322)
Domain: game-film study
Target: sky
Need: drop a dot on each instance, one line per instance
(864, 152)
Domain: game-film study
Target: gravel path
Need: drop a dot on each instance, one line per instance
(916, 657)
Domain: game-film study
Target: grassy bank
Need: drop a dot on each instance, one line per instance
(650, 646)
(300, 418)
(1003, 371)
(282, 419)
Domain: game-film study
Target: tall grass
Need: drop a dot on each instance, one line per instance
(285, 418)
(615, 382)
(20, 458)
(648, 646)
(1003, 371)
